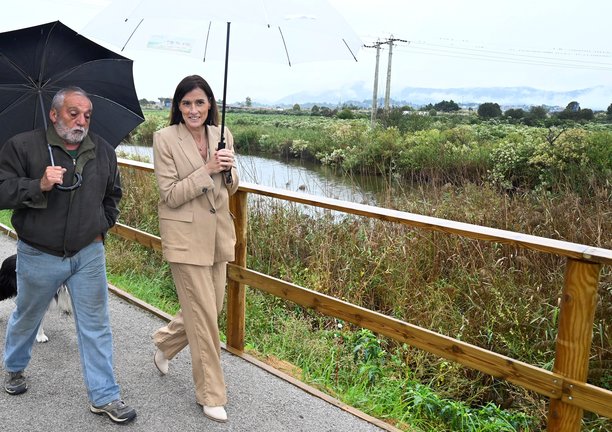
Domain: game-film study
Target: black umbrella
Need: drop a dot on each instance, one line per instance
(36, 62)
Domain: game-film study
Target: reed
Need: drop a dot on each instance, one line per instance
(541, 181)
(490, 295)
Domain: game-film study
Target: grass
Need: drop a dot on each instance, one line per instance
(494, 296)
(5, 217)
(486, 294)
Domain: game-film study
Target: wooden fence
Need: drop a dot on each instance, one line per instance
(565, 386)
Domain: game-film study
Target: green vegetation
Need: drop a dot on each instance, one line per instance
(447, 148)
(547, 181)
(5, 217)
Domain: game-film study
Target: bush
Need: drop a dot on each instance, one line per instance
(489, 110)
(345, 114)
(143, 134)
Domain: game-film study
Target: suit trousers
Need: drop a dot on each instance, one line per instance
(200, 291)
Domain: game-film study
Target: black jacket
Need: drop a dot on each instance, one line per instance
(59, 222)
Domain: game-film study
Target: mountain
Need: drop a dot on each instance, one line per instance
(595, 98)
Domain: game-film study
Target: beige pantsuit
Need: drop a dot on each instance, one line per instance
(198, 239)
(200, 291)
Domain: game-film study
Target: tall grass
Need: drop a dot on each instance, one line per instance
(490, 295)
(543, 181)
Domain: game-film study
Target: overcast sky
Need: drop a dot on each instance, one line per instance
(555, 45)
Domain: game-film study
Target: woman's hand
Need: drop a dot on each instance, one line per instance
(221, 160)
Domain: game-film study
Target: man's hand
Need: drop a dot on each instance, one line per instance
(53, 175)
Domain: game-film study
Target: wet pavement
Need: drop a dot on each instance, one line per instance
(57, 400)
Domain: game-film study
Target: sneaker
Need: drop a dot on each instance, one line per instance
(15, 383)
(117, 410)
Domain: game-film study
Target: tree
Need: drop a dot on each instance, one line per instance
(573, 106)
(609, 111)
(571, 112)
(586, 114)
(538, 112)
(327, 112)
(446, 106)
(427, 107)
(248, 102)
(537, 115)
(315, 110)
(489, 110)
(515, 113)
(296, 108)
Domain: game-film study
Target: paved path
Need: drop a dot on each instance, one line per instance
(56, 399)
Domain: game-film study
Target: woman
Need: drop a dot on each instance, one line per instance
(197, 233)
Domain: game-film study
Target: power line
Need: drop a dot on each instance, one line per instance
(563, 63)
(563, 57)
(512, 54)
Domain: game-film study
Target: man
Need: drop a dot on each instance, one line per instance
(61, 236)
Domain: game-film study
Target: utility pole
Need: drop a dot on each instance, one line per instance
(375, 93)
(377, 45)
(388, 89)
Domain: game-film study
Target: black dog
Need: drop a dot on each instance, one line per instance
(8, 281)
(8, 289)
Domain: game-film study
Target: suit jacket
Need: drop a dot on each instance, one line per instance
(195, 223)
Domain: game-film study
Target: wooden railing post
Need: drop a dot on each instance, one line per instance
(574, 338)
(235, 290)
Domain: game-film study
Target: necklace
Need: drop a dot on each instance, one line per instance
(201, 143)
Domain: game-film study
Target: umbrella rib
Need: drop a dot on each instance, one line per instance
(349, 48)
(206, 45)
(284, 45)
(14, 103)
(19, 69)
(114, 103)
(131, 34)
(43, 61)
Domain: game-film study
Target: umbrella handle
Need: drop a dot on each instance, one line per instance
(79, 177)
(228, 177)
(76, 185)
(228, 173)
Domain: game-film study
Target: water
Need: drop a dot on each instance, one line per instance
(296, 176)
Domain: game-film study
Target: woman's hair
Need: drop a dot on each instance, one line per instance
(186, 85)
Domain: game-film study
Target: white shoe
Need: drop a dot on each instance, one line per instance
(216, 413)
(161, 362)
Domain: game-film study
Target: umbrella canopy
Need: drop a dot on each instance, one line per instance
(36, 62)
(287, 31)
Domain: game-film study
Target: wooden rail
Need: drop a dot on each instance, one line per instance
(565, 386)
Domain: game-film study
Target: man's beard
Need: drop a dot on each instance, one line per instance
(72, 136)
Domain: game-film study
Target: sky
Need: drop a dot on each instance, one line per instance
(553, 45)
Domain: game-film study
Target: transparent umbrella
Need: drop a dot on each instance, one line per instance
(285, 31)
